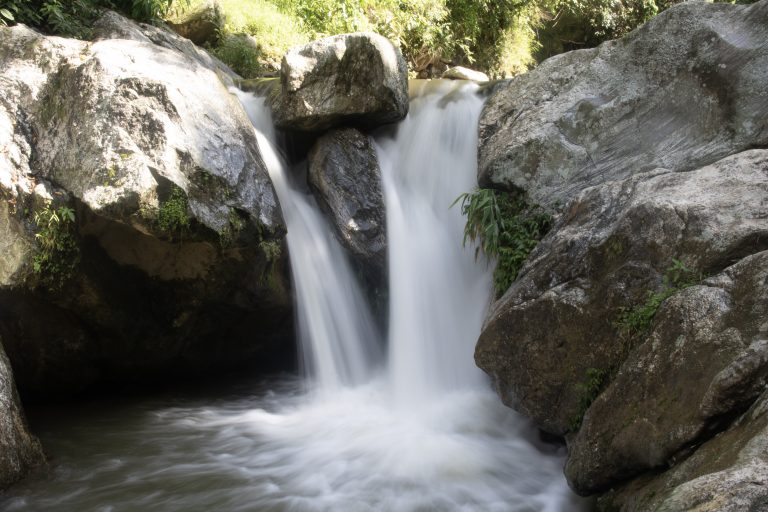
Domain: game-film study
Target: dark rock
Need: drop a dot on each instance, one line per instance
(726, 474)
(605, 254)
(20, 451)
(706, 359)
(683, 91)
(359, 79)
(345, 176)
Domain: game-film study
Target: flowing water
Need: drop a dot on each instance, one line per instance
(411, 428)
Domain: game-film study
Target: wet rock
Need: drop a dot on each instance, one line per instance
(358, 79)
(706, 360)
(462, 73)
(177, 262)
(345, 176)
(606, 253)
(20, 451)
(683, 91)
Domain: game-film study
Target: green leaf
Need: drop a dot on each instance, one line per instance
(5, 13)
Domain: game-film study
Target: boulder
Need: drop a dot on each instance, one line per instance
(175, 258)
(728, 473)
(684, 90)
(462, 73)
(345, 177)
(704, 362)
(359, 79)
(201, 25)
(112, 25)
(20, 451)
(609, 250)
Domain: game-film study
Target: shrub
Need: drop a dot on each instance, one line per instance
(58, 253)
(173, 217)
(506, 227)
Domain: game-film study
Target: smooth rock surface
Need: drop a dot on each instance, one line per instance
(684, 90)
(606, 253)
(20, 451)
(345, 176)
(705, 360)
(359, 79)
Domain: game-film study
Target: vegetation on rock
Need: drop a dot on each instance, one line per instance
(173, 217)
(74, 18)
(506, 227)
(58, 253)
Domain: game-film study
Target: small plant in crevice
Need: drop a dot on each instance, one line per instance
(506, 227)
(588, 390)
(58, 253)
(637, 320)
(173, 217)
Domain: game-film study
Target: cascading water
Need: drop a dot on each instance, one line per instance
(439, 292)
(425, 434)
(336, 330)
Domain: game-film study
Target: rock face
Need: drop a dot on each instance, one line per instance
(345, 176)
(358, 79)
(19, 450)
(726, 474)
(605, 254)
(706, 359)
(683, 91)
(176, 263)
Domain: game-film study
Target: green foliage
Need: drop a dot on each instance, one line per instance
(588, 391)
(506, 227)
(74, 18)
(58, 252)
(173, 218)
(638, 320)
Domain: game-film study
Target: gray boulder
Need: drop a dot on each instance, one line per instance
(201, 25)
(728, 473)
(683, 91)
(20, 451)
(176, 260)
(608, 250)
(706, 360)
(345, 176)
(359, 79)
(112, 25)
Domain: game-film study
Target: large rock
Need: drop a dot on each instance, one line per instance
(605, 254)
(112, 25)
(345, 176)
(684, 90)
(706, 360)
(359, 79)
(201, 25)
(726, 474)
(178, 232)
(20, 451)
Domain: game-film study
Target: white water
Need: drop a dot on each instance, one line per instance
(426, 434)
(337, 334)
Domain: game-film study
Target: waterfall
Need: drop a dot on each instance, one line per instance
(414, 429)
(338, 338)
(426, 432)
(439, 293)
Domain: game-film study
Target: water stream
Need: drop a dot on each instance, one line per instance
(411, 428)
